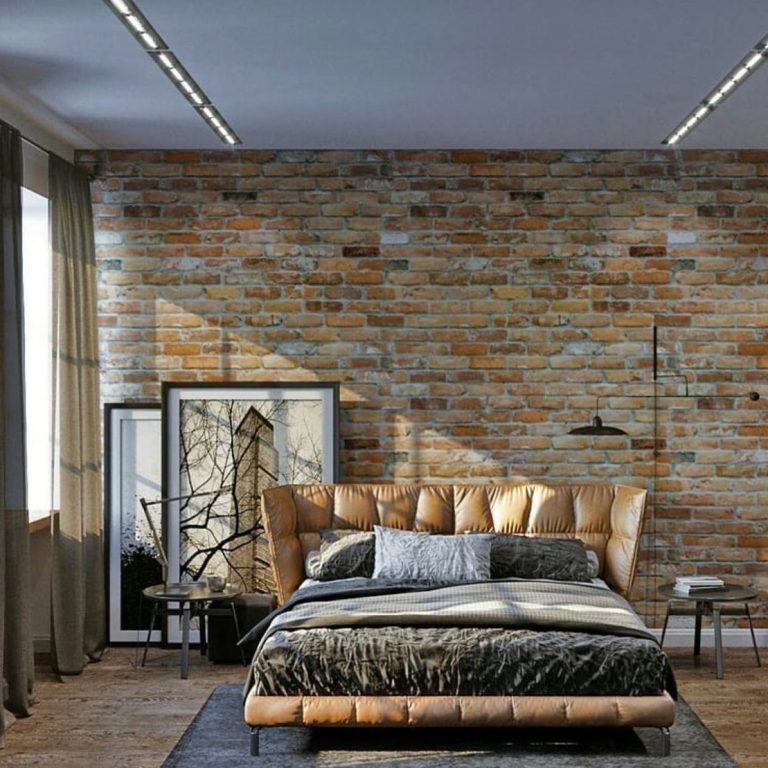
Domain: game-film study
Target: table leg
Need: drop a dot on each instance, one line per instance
(185, 620)
(664, 628)
(201, 617)
(237, 632)
(155, 607)
(752, 632)
(697, 630)
(718, 643)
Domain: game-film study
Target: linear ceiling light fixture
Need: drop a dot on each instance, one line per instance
(736, 77)
(149, 39)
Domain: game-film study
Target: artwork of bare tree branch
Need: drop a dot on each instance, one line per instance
(231, 450)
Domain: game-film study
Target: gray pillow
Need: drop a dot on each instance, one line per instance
(411, 556)
(593, 564)
(312, 563)
(532, 557)
(342, 554)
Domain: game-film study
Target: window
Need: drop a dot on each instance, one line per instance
(36, 275)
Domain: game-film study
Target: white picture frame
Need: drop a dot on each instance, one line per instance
(132, 469)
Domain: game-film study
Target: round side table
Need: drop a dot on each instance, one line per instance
(707, 603)
(191, 599)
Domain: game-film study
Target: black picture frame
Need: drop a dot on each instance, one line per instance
(222, 444)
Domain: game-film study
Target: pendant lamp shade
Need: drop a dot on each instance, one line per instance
(597, 427)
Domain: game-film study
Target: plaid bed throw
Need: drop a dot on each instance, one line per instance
(539, 604)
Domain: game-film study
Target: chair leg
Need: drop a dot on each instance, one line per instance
(255, 741)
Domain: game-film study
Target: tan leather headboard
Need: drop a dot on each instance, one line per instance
(607, 518)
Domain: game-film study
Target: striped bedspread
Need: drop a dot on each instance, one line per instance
(493, 638)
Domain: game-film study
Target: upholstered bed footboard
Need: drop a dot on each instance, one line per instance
(465, 711)
(473, 711)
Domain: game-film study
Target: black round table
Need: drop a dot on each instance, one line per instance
(707, 603)
(192, 599)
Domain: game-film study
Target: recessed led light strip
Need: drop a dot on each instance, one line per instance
(736, 77)
(149, 39)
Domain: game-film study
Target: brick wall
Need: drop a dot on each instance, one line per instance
(472, 304)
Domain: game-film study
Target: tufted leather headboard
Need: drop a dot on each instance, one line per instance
(607, 518)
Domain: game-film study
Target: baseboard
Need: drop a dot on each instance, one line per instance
(732, 637)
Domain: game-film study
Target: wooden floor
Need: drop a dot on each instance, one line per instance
(120, 715)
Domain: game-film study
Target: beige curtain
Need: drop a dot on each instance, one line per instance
(16, 647)
(78, 620)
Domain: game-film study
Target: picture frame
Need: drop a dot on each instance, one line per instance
(132, 469)
(222, 445)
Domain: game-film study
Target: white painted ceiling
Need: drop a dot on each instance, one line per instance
(393, 73)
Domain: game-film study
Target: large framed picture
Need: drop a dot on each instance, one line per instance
(222, 445)
(132, 464)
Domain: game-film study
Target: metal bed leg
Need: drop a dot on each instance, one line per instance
(666, 741)
(255, 741)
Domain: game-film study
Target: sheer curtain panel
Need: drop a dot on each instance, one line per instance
(78, 622)
(16, 647)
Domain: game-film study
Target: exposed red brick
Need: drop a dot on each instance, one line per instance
(360, 251)
(644, 251)
(472, 303)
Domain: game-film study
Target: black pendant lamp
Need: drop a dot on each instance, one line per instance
(597, 427)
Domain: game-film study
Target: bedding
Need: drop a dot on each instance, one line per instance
(342, 554)
(345, 554)
(520, 637)
(405, 555)
(534, 557)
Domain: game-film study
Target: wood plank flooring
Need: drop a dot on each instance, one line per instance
(120, 715)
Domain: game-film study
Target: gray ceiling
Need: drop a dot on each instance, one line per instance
(394, 73)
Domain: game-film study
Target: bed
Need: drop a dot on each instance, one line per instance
(456, 605)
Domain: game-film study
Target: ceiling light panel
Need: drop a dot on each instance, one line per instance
(736, 77)
(151, 41)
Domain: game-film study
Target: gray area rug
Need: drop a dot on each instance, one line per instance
(219, 737)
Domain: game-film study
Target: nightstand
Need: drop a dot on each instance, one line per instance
(707, 603)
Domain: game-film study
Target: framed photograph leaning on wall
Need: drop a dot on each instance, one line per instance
(222, 445)
(132, 469)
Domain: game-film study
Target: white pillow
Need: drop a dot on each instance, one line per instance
(411, 556)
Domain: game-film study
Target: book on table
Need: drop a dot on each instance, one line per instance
(690, 584)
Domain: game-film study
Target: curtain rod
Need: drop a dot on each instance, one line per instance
(29, 141)
(33, 143)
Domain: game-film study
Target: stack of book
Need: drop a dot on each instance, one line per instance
(687, 585)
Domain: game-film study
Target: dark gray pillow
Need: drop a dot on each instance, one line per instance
(344, 554)
(533, 557)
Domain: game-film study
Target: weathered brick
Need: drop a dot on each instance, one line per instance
(464, 299)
